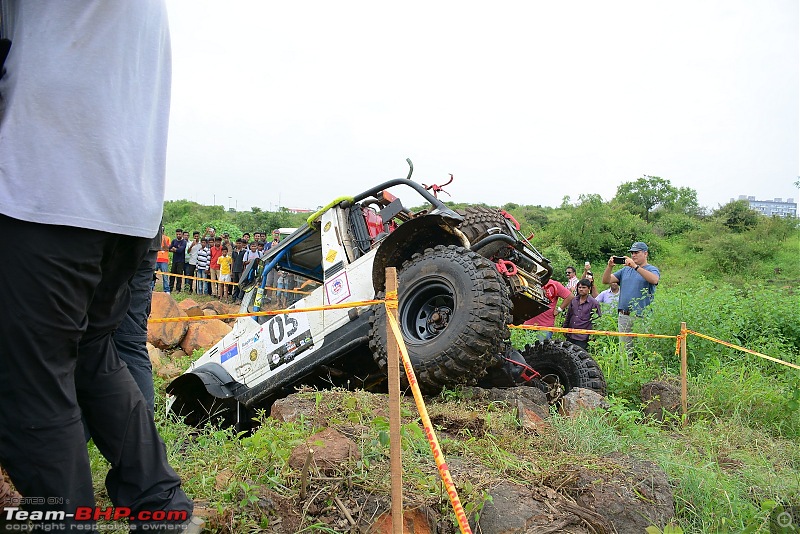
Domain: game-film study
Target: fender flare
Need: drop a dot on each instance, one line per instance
(212, 377)
(414, 236)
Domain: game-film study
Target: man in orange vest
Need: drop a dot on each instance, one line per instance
(162, 260)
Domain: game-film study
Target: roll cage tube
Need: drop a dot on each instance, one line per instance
(439, 207)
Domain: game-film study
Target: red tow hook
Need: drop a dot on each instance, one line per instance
(510, 218)
(528, 372)
(503, 267)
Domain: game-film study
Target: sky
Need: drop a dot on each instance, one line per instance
(293, 104)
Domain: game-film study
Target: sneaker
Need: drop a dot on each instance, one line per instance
(193, 525)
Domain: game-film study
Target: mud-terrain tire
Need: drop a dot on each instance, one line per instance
(478, 220)
(573, 366)
(472, 326)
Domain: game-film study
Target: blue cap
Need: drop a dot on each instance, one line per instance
(636, 247)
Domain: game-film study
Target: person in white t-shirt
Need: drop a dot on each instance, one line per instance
(86, 96)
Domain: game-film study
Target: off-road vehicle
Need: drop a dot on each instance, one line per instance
(463, 277)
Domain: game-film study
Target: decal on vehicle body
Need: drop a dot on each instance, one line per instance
(280, 340)
(229, 353)
(338, 288)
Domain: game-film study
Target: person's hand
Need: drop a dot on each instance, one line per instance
(629, 262)
(611, 261)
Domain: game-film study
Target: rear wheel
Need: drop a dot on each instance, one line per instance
(563, 367)
(453, 312)
(480, 221)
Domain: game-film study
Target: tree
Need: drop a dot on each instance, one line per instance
(737, 215)
(648, 192)
(593, 230)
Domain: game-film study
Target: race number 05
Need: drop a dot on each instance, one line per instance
(281, 326)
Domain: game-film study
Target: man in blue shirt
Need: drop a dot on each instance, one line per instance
(637, 286)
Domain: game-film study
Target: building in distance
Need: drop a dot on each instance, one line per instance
(772, 208)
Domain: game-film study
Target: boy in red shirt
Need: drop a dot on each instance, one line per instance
(216, 252)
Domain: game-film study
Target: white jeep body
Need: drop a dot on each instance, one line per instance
(265, 357)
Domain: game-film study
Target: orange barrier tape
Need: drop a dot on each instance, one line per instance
(444, 470)
(266, 312)
(391, 300)
(680, 339)
(737, 347)
(581, 331)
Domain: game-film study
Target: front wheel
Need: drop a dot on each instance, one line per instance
(564, 366)
(453, 312)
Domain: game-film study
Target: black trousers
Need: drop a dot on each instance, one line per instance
(130, 337)
(189, 270)
(177, 268)
(57, 359)
(237, 293)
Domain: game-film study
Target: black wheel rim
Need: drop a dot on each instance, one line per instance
(426, 310)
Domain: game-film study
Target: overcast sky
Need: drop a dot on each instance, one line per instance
(297, 103)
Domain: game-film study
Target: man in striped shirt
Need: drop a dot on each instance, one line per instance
(203, 260)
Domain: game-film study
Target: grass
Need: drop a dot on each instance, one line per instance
(728, 468)
(736, 459)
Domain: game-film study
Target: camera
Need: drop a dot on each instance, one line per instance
(619, 260)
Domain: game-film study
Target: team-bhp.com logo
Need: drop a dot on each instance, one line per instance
(95, 513)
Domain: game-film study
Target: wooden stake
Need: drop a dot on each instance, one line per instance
(684, 377)
(395, 449)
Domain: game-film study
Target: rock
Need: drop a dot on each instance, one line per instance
(165, 335)
(191, 307)
(291, 408)
(156, 356)
(202, 335)
(330, 450)
(415, 521)
(532, 416)
(218, 307)
(579, 399)
(662, 399)
(169, 371)
(633, 496)
(516, 509)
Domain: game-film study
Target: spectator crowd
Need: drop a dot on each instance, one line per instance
(211, 264)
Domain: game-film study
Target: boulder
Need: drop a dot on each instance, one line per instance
(292, 408)
(204, 334)
(517, 509)
(191, 308)
(632, 494)
(661, 399)
(165, 335)
(579, 399)
(532, 416)
(329, 450)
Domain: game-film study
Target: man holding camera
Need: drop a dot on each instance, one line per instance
(637, 286)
